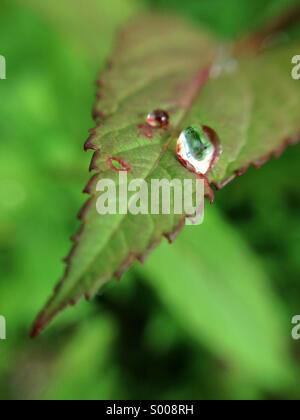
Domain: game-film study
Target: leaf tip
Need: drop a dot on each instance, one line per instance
(98, 115)
(39, 325)
(220, 185)
(88, 145)
(143, 258)
(125, 266)
(90, 185)
(173, 235)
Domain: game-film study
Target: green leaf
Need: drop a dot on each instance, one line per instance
(84, 380)
(217, 290)
(162, 63)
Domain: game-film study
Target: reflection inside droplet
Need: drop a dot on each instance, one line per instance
(198, 148)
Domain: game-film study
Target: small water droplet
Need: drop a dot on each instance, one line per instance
(198, 148)
(158, 118)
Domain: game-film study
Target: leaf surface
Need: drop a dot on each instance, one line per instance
(162, 63)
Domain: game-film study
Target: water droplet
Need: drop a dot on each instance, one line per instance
(158, 118)
(198, 148)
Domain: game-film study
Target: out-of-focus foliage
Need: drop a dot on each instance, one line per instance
(208, 297)
(134, 341)
(229, 18)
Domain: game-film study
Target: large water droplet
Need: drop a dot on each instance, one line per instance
(158, 118)
(198, 148)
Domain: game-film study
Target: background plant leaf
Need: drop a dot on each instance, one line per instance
(89, 27)
(162, 63)
(246, 324)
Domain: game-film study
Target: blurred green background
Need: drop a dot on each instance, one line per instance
(214, 322)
